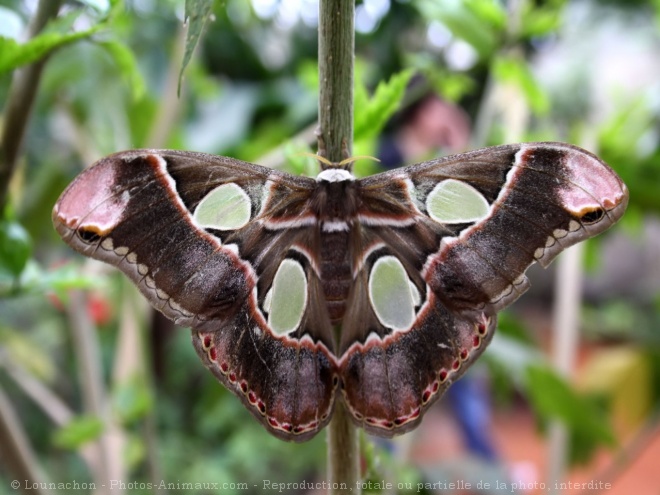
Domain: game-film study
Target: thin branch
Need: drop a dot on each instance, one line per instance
(54, 407)
(566, 331)
(566, 339)
(131, 356)
(336, 48)
(15, 448)
(88, 354)
(20, 99)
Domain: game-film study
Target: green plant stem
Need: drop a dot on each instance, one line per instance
(343, 453)
(336, 48)
(335, 133)
(20, 99)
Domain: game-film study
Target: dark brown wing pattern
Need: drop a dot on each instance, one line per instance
(466, 260)
(134, 210)
(412, 266)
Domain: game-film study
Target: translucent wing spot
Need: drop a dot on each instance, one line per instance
(453, 201)
(227, 207)
(268, 301)
(391, 294)
(287, 298)
(416, 296)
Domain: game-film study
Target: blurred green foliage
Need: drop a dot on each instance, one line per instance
(15, 248)
(252, 88)
(78, 432)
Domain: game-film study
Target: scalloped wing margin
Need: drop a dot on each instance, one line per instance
(542, 198)
(126, 210)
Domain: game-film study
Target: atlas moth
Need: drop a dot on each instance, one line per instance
(410, 266)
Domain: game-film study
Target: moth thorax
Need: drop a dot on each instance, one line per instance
(334, 201)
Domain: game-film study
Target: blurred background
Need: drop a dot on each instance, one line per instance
(95, 386)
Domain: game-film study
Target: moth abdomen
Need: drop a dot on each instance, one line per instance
(336, 273)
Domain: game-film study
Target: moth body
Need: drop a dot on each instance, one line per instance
(335, 204)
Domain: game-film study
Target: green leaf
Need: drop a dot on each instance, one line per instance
(30, 354)
(14, 54)
(491, 12)
(512, 356)
(454, 86)
(624, 128)
(481, 23)
(78, 432)
(540, 21)
(511, 326)
(62, 279)
(125, 60)
(553, 398)
(514, 71)
(196, 14)
(371, 115)
(35, 280)
(132, 399)
(15, 248)
(135, 451)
